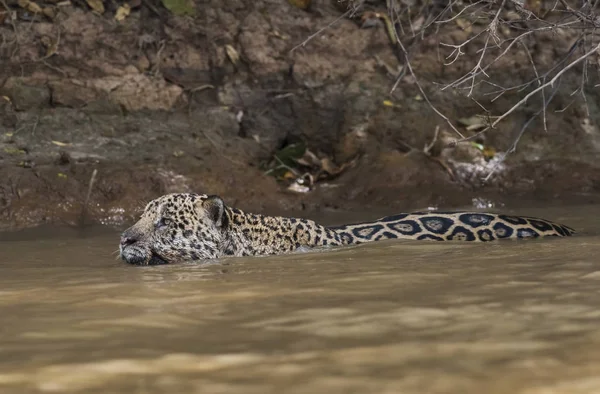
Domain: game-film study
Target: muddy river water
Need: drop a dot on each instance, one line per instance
(389, 317)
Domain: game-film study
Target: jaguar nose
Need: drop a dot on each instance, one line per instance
(127, 240)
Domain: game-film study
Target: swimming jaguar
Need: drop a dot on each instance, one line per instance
(192, 227)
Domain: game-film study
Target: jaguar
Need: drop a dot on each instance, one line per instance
(187, 227)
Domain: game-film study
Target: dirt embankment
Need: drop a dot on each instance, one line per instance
(158, 103)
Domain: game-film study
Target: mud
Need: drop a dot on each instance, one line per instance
(157, 103)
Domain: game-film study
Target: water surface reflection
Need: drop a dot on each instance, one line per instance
(410, 317)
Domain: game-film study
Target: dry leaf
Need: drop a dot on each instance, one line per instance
(489, 152)
(50, 12)
(96, 5)
(277, 34)
(309, 159)
(464, 24)
(30, 6)
(330, 167)
(475, 122)
(232, 54)
(14, 151)
(302, 4)
(534, 6)
(477, 126)
(289, 175)
(417, 24)
(122, 12)
(391, 104)
(50, 44)
(58, 143)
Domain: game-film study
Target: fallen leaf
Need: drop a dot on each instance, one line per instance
(290, 153)
(330, 167)
(464, 24)
(302, 4)
(391, 104)
(232, 54)
(30, 6)
(288, 175)
(534, 6)
(50, 12)
(58, 143)
(489, 152)
(369, 19)
(122, 12)
(309, 159)
(180, 7)
(14, 151)
(26, 164)
(96, 5)
(61, 175)
(50, 44)
(474, 127)
(417, 23)
(277, 34)
(475, 122)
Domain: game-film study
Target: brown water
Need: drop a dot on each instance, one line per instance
(390, 317)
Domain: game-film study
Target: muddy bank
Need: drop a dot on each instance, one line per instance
(159, 103)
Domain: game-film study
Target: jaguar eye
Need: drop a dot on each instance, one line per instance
(163, 222)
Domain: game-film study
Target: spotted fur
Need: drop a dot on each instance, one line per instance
(193, 227)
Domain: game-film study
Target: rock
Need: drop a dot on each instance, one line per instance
(132, 91)
(26, 93)
(259, 47)
(72, 93)
(137, 91)
(351, 144)
(7, 113)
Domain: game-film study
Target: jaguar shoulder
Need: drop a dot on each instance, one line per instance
(191, 227)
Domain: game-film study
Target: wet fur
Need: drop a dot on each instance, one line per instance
(193, 227)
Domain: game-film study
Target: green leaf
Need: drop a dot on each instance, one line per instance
(180, 7)
(291, 153)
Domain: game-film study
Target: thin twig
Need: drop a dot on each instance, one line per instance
(303, 43)
(461, 11)
(533, 92)
(550, 83)
(513, 146)
(410, 69)
(531, 61)
(14, 26)
(470, 75)
(84, 209)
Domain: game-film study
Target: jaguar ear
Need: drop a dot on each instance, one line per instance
(215, 209)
